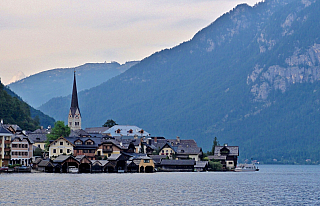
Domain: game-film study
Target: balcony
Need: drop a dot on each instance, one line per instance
(107, 150)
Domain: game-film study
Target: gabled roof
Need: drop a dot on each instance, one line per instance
(96, 142)
(126, 130)
(38, 137)
(201, 164)
(112, 141)
(21, 137)
(174, 148)
(45, 163)
(64, 138)
(4, 131)
(234, 150)
(62, 158)
(114, 157)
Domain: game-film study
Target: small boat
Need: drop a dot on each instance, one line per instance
(246, 168)
(73, 169)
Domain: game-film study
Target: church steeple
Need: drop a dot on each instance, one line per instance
(74, 118)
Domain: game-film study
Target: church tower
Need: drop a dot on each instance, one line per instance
(74, 118)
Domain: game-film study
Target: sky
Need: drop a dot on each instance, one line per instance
(39, 35)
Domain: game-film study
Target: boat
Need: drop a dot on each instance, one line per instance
(73, 169)
(246, 168)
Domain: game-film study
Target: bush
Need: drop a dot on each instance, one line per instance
(215, 166)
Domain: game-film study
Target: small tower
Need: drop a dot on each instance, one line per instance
(74, 118)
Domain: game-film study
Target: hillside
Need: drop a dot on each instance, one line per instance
(15, 111)
(41, 87)
(251, 78)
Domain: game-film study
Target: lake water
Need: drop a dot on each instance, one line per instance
(272, 185)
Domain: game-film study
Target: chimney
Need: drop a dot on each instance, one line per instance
(41, 127)
(178, 139)
(155, 139)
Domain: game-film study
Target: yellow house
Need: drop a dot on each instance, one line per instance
(168, 150)
(60, 146)
(146, 165)
(108, 147)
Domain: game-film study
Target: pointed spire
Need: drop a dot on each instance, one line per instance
(74, 99)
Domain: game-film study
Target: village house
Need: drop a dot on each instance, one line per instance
(85, 146)
(60, 146)
(5, 145)
(109, 147)
(181, 149)
(39, 137)
(21, 150)
(227, 155)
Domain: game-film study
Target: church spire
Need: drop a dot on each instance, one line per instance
(74, 99)
(74, 118)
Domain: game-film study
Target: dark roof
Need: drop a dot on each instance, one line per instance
(96, 130)
(62, 158)
(234, 150)
(96, 142)
(79, 133)
(45, 163)
(201, 164)
(177, 162)
(21, 137)
(3, 130)
(74, 98)
(37, 137)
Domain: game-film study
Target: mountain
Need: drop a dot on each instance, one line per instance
(14, 111)
(251, 78)
(37, 116)
(41, 87)
(17, 77)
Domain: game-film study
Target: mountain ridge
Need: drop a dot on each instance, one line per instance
(227, 81)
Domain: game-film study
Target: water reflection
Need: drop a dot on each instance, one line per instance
(272, 185)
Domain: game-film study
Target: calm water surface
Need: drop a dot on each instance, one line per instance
(272, 185)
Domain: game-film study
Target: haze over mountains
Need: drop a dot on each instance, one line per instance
(251, 78)
(41, 87)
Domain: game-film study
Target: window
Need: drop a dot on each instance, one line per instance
(146, 161)
(77, 123)
(61, 143)
(54, 151)
(61, 151)
(70, 123)
(68, 150)
(38, 146)
(7, 138)
(78, 142)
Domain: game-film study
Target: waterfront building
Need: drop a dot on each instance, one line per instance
(181, 149)
(60, 146)
(227, 155)
(21, 150)
(5, 145)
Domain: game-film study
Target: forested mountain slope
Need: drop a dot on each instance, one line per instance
(251, 78)
(14, 111)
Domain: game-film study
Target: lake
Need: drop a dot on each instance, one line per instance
(272, 185)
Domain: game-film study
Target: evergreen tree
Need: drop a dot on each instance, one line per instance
(109, 123)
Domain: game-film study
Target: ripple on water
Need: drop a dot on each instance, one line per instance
(273, 185)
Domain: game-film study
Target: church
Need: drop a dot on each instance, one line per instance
(74, 118)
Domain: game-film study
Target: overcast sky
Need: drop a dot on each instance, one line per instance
(45, 34)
